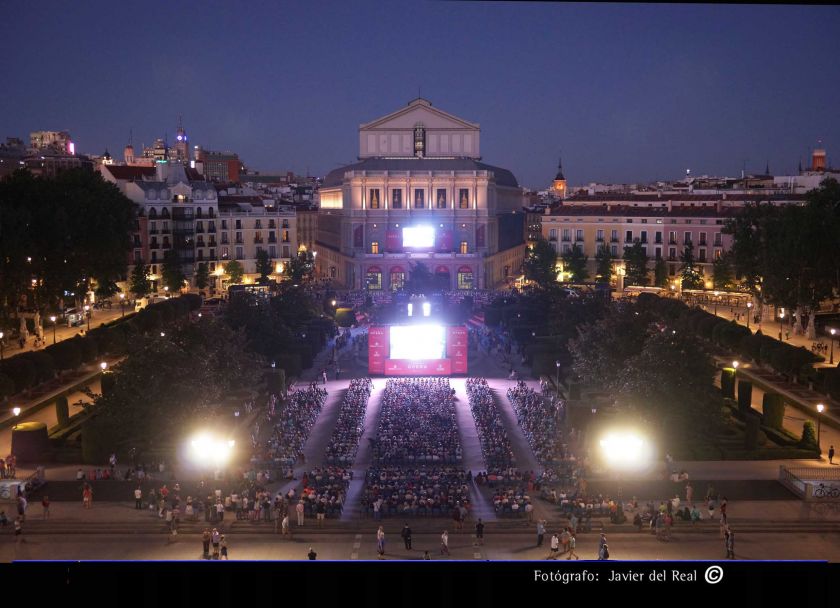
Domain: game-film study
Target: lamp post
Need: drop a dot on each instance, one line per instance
(87, 316)
(749, 313)
(122, 304)
(557, 363)
(16, 411)
(831, 361)
(1, 345)
(781, 320)
(717, 294)
(103, 366)
(820, 408)
(52, 318)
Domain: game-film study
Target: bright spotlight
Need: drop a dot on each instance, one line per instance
(16, 411)
(625, 450)
(410, 309)
(418, 236)
(417, 342)
(208, 450)
(427, 309)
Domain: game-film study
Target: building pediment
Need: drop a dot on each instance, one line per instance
(419, 111)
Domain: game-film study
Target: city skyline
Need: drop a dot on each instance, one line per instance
(289, 97)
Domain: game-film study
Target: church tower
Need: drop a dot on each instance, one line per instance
(128, 153)
(558, 186)
(182, 148)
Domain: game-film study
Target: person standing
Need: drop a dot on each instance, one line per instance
(324, 374)
(689, 493)
(220, 510)
(321, 511)
(380, 542)
(406, 535)
(444, 543)
(311, 555)
(205, 542)
(572, 545)
(138, 498)
(601, 542)
(299, 511)
(285, 526)
(831, 455)
(87, 497)
(45, 502)
(223, 545)
(540, 532)
(555, 546)
(479, 532)
(604, 552)
(216, 538)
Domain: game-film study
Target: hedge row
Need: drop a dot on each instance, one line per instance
(30, 369)
(782, 357)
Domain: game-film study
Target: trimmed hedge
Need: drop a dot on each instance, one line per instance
(744, 395)
(62, 411)
(809, 435)
(727, 382)
(774, 410)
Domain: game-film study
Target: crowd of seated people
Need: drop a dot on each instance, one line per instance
(344, 441)
(426, 492)
(417, 424)
(416, 453)
(538, 420)
(495, 444)
(291, 422)
(326, 486)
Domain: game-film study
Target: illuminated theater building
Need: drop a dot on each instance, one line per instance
(420, 193)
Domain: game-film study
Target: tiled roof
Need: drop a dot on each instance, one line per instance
(127, 172)
(664, 198)
(626, 210)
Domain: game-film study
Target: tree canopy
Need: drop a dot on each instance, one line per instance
(300, 267)
(235, 271)
(635, 264)
(574, 262)
(692, 278)
(541, 264)
(264, 266)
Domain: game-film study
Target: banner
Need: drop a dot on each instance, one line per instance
(378, 349)
(428, 367)
(457, 348)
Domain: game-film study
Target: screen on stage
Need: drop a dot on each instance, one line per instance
(417, 342)
(418, 236)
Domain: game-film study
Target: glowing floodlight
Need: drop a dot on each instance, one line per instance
(209, 450)
(410, 309)
(418, 236)
(427, 309)
(625, 450)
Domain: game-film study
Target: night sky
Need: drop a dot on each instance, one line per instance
(627, 93)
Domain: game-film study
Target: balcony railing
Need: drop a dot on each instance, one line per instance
(672, 241)
(153, 231)
(614, 239)
(272, 239)
(567, 239)
(166, 246)
(212, 230)
(238, 241)
(258, 241)
(211, 244)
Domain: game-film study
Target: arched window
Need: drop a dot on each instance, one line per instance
(465, 277)
(397, 278)
(374, 278)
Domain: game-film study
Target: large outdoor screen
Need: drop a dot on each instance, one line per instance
(418, 236)
(418, 342)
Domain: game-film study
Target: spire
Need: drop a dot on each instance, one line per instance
(131, 137)
(767, 168)
(800, 166)
(559, 175)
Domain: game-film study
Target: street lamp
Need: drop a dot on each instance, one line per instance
(52, 318)
(87, 316)
(122, 304)
(749, 313)
(832, 331)
(16, 411)
(1, 346)
(820, 408)
(735, 364)
(103, 366)
(163, 334)
(333, 302)
(557, 363)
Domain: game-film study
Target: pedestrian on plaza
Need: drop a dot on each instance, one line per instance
(602, 541)
(572, 545)
(205, 542)
(321, 511)
(479, 532)
(689, 493)
(311, 555)
(87, 497)
(220, 510)
(831, 455)
(324, 374)
(540, 532)
(730, 545)
(45, 502)
(215, 538)
(299, 511)
(444, 543)
(138, 498)
(224, 548)
(285, 526)
(456, 517)
(426, 555)
(380, 542)
(604, 552)
(555, 546)
(406, 534)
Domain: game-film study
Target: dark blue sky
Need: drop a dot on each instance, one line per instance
(626, 92)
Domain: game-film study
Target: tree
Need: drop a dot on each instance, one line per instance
(264, 266)
(300, 267)
(722, 275)
(105, 289)
(692, 278)
(235, 271)
(660, 273)
(541, 264)
(202, 275)
(635, 264)
(139, 283)
(171, 273)
(574, 262)
(603, 265)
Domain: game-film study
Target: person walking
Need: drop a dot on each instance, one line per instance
(324, 374)
(311, 555)
(572, 545)
(601, 542)
(444, 543)
(216, 538)
(380, 542)
(479, 532)
(87, 497)
(285, 526)
(138, 498)
(299, 511)
(224, 547)
(205, 543)
(831, 455)
(555, 546)
(45, 503)
(406, 535)
(604, 552)
(689, 493)
(540, 532)
(729, 542)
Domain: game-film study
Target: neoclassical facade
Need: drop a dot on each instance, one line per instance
(420, 168)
